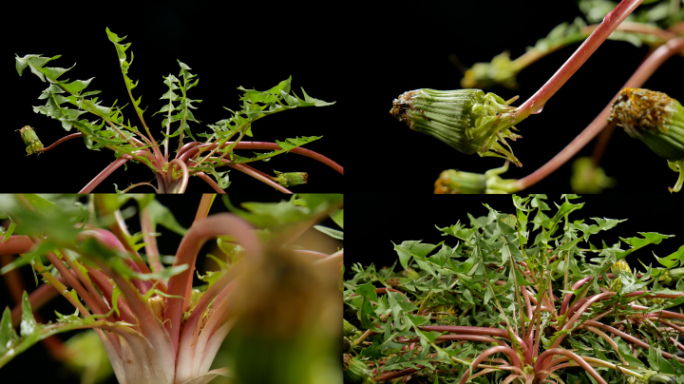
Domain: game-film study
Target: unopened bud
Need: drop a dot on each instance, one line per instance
(31, 140)
(588, 178)
(291, 179)
(457, 182)
(466, 119)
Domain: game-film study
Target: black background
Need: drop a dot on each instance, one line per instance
(362, 55)
(36, 365)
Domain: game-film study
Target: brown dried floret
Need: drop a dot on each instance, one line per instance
(638, 108)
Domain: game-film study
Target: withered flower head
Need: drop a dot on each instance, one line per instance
(652, 117)
(657, 120)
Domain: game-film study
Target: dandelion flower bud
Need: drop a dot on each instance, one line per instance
(457, 182)
(588, 178)
(657, 120)
(291, 179)
(31, 140)
(466, 119)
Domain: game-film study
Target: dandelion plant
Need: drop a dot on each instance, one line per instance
(183, 150)
(154, 325)
(526, 296)
(472, 121)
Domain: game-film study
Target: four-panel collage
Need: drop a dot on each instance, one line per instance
(159, 229)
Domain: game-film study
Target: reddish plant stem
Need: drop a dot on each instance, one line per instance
(184, 177)
(191, 149)
(201, 231)
(37, 298)
(107, 290)
(484, 339)
(480, 331)
(105, 173)
(581, 308)
(151, 248)
(205, 204)
(61, 140)
(627, 337)
(559, 351)
(75, 284)
(211, 182)
(264, 178)
(500, 349)
(645, 70)
(15, 245)
(589, 46)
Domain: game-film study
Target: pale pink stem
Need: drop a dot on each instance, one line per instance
(528, 306)
(105, 173)
(588, 47)
(569, 324)
(86, 282)
(204, 206)
(186, 147)
(184, 178)
(74, 283)
(16, 245)
(201, 231)
(151, 248)
(334, 259)
(61, 140)
(149, 325)
(560, 351)
(211, 182)
(500, 349)
(608, 340)
(191, 329)
(645, 70)
(244, 168)
(190, 152)
(627, 337)
(484, 339)
(474, 331)
(107, 290)
(314, 255)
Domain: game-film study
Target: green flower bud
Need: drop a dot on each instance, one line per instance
(456, 182)
(587, 178)
(291, 179)
(657, 120)
(31, 140)
(466, 119)
(671, 276)
(355, 371)
(501, 71)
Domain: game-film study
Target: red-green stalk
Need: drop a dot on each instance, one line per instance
(643, 73)
(535, 103)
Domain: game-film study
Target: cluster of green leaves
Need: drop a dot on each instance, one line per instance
(254, 106)
(502, 70)
(110, 130)
(478, 282)
(107, 130)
